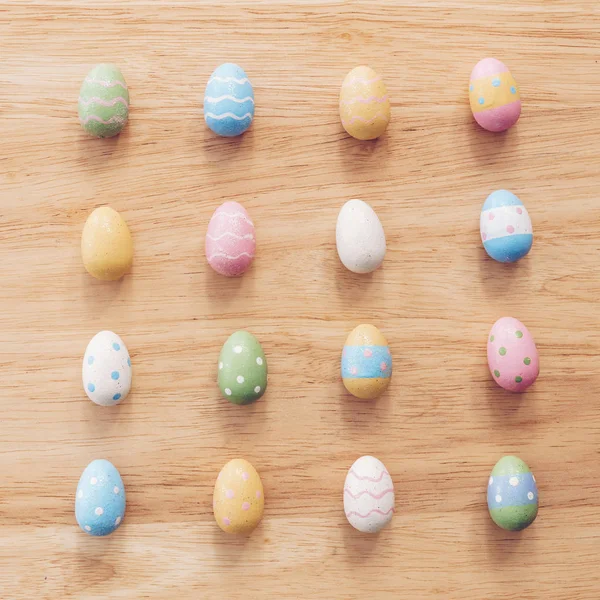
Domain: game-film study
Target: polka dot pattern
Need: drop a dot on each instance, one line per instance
(242, 373)
(236, 505)
(100, 499)
(512, 356)
(106, 370)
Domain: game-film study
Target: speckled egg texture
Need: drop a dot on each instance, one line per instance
(512, 494)
(238, 499)
(230, 242)
(366, 362)
(364, 104)
(106, 370)
(100, 499)
(104, 101)
(368, 495)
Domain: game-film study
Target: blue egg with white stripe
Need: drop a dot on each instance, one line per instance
(505, 227)
(229, 101)
(100, 499)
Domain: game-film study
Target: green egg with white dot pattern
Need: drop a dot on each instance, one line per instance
(242, 369)
(512, 494)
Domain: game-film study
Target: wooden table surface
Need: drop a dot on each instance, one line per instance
(442, 424)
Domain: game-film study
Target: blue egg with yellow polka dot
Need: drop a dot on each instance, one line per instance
(100, 499)
(229, 101)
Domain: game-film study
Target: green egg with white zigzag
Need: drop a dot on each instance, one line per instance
(104, 101)
(512, 494)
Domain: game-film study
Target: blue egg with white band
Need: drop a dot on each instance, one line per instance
(229, 101)
(505, 227)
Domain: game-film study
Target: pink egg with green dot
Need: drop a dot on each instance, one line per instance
(513, 358)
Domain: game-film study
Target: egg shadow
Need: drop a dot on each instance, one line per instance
(98, 297)
(500, 545)
(222, 291)
(237, 420)
(501, 280)
(96, 552)
(96, 152)
(100, 422)
(219, 150)
(486, 147)
(358, 157)
(231, 548)
(359, 546)
(353, 286)
(362, 416)
(509, 408)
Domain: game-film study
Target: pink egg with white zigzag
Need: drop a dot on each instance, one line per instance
(230, 242)
(368, 495)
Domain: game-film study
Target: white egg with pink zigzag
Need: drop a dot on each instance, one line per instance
(368, 495)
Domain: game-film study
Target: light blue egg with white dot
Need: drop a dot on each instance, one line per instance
(229, 101)
(100, 498)
(106, 370)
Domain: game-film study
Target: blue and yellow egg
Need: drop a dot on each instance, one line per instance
(229, 101)
(366, 363)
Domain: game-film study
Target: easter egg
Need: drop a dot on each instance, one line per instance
(104, 101)
(106, 370)
(512, 494)
(364, 104)
(242, 369)
(368, 495)
(100, 498)
(505, 227)
(366, 362)
(238, 499)
(494, 95)
(106, 245)
(359, 237)
(512, 356)
(228, 101)
(230, 241)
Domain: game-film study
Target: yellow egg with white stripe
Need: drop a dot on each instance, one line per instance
(364, 104)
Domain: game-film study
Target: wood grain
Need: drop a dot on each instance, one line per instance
(442, 424)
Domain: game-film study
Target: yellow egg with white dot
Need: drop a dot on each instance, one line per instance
(238, 499)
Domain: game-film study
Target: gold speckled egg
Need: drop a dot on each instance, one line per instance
(364, 104)
(106, 245)
(366, 363)
(238, 499)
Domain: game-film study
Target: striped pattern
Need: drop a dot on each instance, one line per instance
(364, 104)
(368, 495)
(104, 101)
(229, 101)
(230, 242)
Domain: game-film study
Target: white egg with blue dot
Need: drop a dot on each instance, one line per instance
(229, 101)
(100, 498)
(106, 370)
(505, 227)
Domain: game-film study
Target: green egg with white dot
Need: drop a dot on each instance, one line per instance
(106, 369)
(242, 369)
(512, 494)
